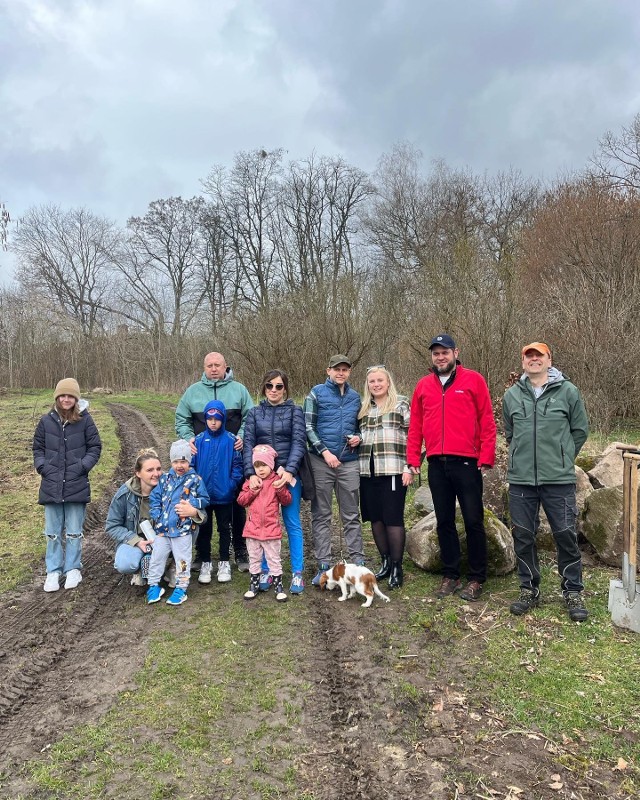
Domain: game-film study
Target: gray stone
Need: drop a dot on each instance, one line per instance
(608, 471)
(602, 523)
(422, 499)
(423, 548)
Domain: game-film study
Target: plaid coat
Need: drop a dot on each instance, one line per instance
(384, 435)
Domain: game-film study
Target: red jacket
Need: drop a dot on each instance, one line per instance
(263, 509)
(454, 420)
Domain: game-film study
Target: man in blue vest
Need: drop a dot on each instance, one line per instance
(331, 418)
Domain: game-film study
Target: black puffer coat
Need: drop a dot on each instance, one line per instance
(280, 426)
(63, 454)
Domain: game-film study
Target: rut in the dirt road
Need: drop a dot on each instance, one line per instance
(54, 648)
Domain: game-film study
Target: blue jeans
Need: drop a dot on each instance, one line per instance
(559, 504)
(291, 519)
(59, 517)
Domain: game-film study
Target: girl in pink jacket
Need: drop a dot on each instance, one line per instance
(262, 529)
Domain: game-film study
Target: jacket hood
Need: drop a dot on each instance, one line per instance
(133, 484)
(554, 376)
(228, 376)
(219, 406)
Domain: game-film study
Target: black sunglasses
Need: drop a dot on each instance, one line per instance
(277, 386)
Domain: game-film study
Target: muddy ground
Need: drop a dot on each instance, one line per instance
(86, 645)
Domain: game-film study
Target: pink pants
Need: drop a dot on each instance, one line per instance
(271, 550)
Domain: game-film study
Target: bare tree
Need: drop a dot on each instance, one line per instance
(617, 162)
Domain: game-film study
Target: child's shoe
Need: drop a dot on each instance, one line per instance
(178, 597)
(254, 587)
(265, 581)
(224, 572)
(281, 595)
(74, 577)
(297, 583)
(52, 583)
(137, 579)
(154, 593)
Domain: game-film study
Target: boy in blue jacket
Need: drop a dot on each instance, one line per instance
(221, 469)
(174, 503)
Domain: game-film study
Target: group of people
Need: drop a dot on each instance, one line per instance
(244, 465)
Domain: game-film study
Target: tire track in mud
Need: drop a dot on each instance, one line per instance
(64, 655)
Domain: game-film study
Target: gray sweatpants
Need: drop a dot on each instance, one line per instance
(181, 547)
(345, 481)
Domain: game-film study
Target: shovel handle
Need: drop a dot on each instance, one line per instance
(630, 522)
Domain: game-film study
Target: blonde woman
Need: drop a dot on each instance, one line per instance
(384, 474)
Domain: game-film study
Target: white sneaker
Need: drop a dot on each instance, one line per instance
(205, 572)
(137, 579)
(52, 584)
(224, 572)
(170, 576)
(74, 576)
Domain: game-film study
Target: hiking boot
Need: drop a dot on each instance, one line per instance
(205, 573)
(297, 583)
(74, 577)
(178, 596)
(224, 572)
(154, 593)
(385, 569)
(322, 567)
(254, 587)
(397, 576)
(281, 595)
(529, 598)
(52, 583)
(471, 591)
(242, 561)
(447, 587)
(575, 604)
(265, 582)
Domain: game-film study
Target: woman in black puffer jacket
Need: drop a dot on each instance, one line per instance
(66, 446)
(279, 422)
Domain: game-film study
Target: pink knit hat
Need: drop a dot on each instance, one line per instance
(264, 454)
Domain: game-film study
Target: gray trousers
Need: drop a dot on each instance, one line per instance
(345, 481)
(181, 547)
(559, 504)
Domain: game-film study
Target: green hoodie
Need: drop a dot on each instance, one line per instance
(544, 434)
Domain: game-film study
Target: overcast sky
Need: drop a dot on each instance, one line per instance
(111, 104)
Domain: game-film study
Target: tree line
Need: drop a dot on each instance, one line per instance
(282, 263)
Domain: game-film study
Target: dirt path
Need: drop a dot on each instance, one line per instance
(387, 718)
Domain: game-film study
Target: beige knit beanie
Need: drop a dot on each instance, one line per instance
(67, 386)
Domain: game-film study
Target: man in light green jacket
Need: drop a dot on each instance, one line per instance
(545, 424)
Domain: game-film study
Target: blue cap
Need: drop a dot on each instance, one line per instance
(443, 340)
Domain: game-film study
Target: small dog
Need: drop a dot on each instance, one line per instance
(351, 579)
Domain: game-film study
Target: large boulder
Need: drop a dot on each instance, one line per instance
(602, 523)
(424, 550)
(608, 471)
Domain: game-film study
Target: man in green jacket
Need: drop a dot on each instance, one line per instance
(545, 424)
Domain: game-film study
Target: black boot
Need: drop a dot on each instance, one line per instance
(254, 587)
(396, 577)
(385, 569)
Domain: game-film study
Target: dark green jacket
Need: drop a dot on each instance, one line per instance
(544, 434)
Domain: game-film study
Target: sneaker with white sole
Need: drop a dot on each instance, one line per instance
(52, 583)
(178, 596)
(265, 581)
(224, 572)
(242, 561)
(297, 583)
(137, 579)
(205, 573)
(74, 577)
(154, 593)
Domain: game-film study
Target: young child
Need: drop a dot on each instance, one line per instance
(262, 529)
(221, 469)
(175, 522)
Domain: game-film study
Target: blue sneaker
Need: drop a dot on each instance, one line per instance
(265, 581)
(154, 593)
(323, 567)
(178, 596)
(297, 583)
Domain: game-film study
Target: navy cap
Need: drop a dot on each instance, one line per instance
(443, 340)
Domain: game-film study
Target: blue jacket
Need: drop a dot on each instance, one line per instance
(280, 426)
(63, 455)
(170, 490)
(217, 463)
(332, 416)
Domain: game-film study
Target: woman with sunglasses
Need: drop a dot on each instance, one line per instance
(384, 474)
(278, 422)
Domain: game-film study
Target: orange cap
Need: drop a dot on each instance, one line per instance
(541, 347)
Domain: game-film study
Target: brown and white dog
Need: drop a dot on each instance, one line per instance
(351, 579)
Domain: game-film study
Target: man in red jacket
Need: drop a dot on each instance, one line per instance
(451, 411)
